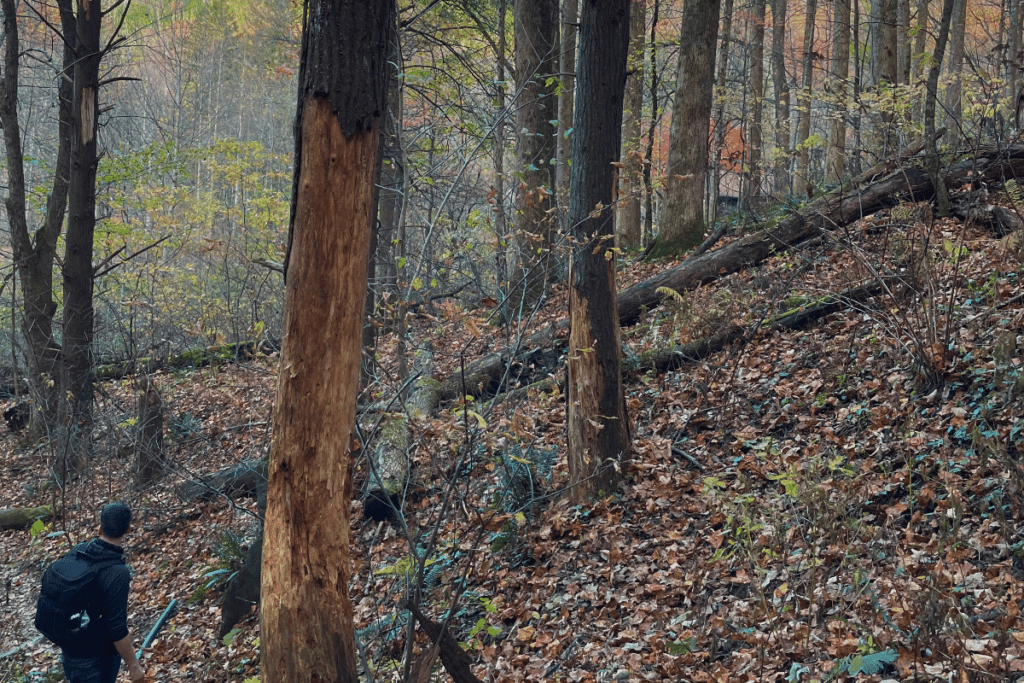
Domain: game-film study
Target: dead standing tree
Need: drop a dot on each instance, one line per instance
(306, 617)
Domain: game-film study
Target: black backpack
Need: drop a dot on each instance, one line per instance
(69, 585)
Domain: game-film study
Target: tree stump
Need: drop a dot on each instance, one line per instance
(149, 433)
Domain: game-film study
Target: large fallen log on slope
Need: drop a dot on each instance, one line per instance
(828, 213)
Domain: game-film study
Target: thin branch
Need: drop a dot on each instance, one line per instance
(99, 271)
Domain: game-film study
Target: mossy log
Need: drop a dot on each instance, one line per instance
(663, 360)
(389, 460)
(23, 518)
(809, 312)
(193, 358)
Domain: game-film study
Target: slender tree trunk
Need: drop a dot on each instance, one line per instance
(782, 183)
(883, 72)
(1016, 59)
(953, 106)
(932, 159)
(500, 224)
(537, 107)
(652, 68)
(752, 193)
(682, 222)
(34, 256)
(903, 54)
(719, 121)
(836, 160)
(598, 426)
(628, 222)
(567, 68)
(917, 63)
(306, 617)
(74, 413)
(803, 177)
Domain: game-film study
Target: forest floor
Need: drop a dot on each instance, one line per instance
(837, 502)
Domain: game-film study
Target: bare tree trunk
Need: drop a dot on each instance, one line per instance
(932, 160)
(567, 58)
(597, 423)
(627, 222)
(752, 193)
(883, 73)
(306, 617)
(149, 435)
(835, 165)
(1016, 59)
(917, 64)
(903, 54)
(803, 177)
(652, 67)
(719, 120)
(782, 183)
(953, 105)
(74, 413)
(682, 222)
(537, 107)
(34, 255)
(500, 222)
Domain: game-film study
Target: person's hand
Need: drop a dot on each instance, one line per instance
(135, 673)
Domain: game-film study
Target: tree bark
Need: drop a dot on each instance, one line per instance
(34, 256)
(953, 108)
(931, 97)
(627, 222)
(835, 164)
(682, 222)
(74, 413)
(567, 72)
(803, 177)
(306, 615)
(752, 192)
(781, 182)
(597, 423)
(537, 107)
(149, 436)
(883, 74)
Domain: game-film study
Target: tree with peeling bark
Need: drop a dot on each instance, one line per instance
(306, 616)
(597, 421)
(682, 222)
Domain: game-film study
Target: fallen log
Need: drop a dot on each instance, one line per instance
(664, 360)
(827, 213)
(805, 314)
(23, 518)
(389, 459)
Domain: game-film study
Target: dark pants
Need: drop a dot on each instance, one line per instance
(91, 669)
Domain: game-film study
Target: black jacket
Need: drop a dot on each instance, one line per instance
(108, 610)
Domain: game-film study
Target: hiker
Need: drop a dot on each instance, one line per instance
(107, 640)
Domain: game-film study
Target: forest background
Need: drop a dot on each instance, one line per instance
(194, 182)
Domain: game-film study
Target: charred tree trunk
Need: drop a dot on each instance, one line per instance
(306, 615)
